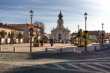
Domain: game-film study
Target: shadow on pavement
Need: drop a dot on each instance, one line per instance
(71, 55)
(39, 70)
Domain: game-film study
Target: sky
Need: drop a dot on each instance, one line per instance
(46, 11)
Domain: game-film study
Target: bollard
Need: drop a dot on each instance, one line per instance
(61, 50)
(95, 48)
(46, 50)
(14, 49)
(73, 51)
(0, 49)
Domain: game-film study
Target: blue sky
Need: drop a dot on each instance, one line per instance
(46, 11)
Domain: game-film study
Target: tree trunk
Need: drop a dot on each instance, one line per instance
(19, 41)
(0, 41)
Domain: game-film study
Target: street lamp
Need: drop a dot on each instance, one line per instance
(102, 34)
(78, 35)
(0, 43)
(85, 16)
(31, 15)
(31, 30)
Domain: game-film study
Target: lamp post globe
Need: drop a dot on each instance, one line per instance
(85, 14)
(31, 13)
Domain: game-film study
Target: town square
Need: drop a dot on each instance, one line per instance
(61, 36)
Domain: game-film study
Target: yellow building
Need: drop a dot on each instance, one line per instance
(19, 32)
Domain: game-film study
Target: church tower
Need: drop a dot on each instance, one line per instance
(60, 21)
(60, 34)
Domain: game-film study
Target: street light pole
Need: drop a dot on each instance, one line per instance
(0, 43)
(85, 16)
(78, 36)
(31, 30)
(102, 34)
(31, 15)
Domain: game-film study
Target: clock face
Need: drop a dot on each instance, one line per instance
(60, 21)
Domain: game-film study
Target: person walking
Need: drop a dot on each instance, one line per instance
(51, 42)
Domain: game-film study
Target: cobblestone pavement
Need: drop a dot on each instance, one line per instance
(97, 62)
(98, 65)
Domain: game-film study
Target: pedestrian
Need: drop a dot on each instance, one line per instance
(51, 42)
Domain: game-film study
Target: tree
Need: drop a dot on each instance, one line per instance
(19, 36)
(36, 42)
(2, 35)
(80, 36)
(11, 36)
(45, 39)
(72, 40)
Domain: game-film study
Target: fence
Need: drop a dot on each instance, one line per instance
(77, 50)
(13, 48)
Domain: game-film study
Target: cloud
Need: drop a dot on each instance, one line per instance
(47, 10)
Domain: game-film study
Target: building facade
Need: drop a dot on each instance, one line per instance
(9, 34)
(60, 34)
(92, 37)
(19, 33)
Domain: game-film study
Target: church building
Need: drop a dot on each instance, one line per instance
(60, 34)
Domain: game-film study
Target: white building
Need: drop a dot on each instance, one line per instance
(60, 33)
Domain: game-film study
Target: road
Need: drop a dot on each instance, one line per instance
(91, 62)
(99, 65)
(97, 62)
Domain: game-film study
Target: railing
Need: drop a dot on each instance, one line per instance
(14, 49)
(46, 49)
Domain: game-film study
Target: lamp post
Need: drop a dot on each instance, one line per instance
(85, 16)
(0, 43)
(31, 30)
(78, 35)
(31, 15)
(102, 34)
